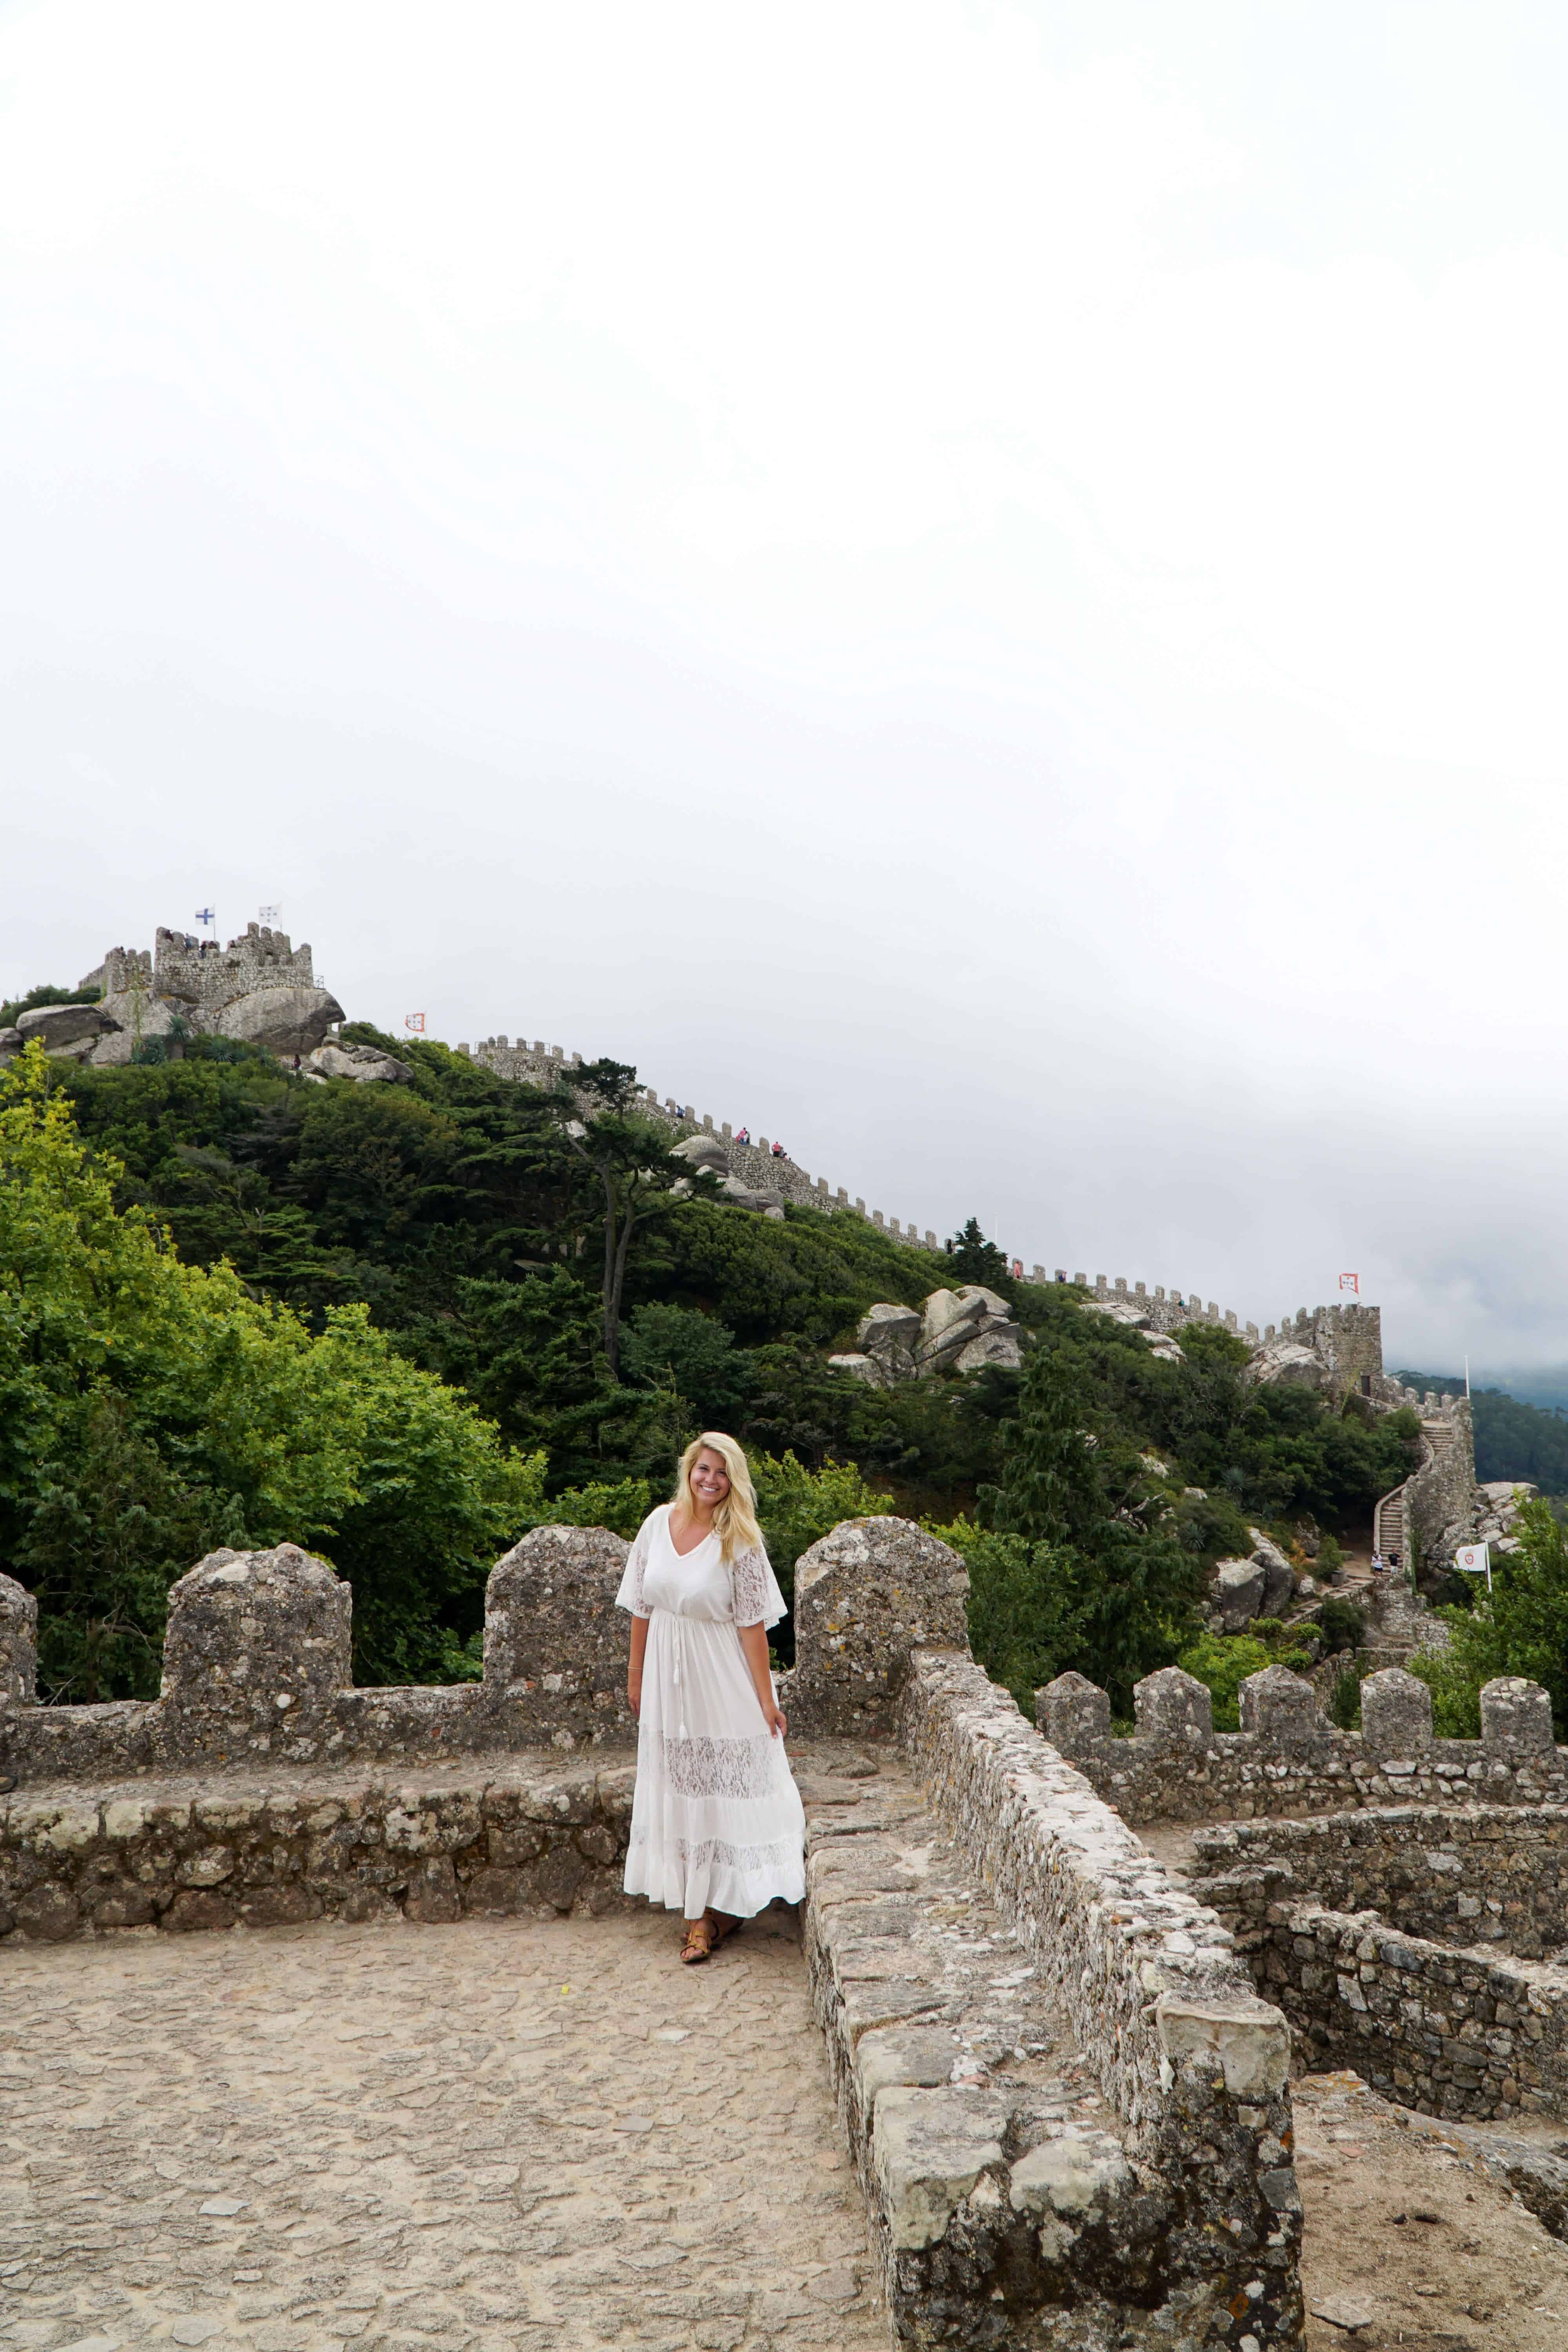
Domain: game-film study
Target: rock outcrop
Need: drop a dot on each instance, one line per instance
(1261, 1585)
(283, 1019)
(338, 1059)
(1285, 1361)
(950, 1331)
(1133, 1318)
(66, 1032)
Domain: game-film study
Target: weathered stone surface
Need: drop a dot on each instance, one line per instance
(865, 1597)
(1516, 1718)
(284, 1019)
(890, 1327)
(496, 1833)
(1173, 1706)
(998, 1343)
(1238, 1593)
(1279, 1576)
(555, 1643)
(1278, 1706)
(257, 1647)
(18, 1648)
(1395, 1714)
(466, 2091)
(340, 1059)
(1191, 2064)
(702, 1152)
(58, 1027)
(1073, 1713)
(1282, 1360)
(859, 1368)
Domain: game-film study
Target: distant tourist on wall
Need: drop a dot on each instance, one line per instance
(779, 1151)
(744, 1136)
(718, 1827)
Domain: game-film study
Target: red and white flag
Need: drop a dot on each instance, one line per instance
(1351, 1282)
(415, 1021)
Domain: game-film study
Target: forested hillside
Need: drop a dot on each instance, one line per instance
(402, 1324)
(1513, 1440)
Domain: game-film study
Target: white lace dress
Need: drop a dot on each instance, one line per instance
(717, 1821)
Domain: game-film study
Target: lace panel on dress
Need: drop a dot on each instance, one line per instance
(707, 1850)
(749, 1581)
(637, 1562)
(720, 1768)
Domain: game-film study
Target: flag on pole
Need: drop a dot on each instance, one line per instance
(1475, 1560)
(1351, 1282)
(415, 1021)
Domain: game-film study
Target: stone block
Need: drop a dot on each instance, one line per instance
(555, 1643)
(1073, 1713)
(18, 1647)
(865, 1597)
(258, 1646)
(1281, 1709)
(1173, 1706)
(1515, 1719)
(929, 2147)
(1239, 1586)
(1395, 1715)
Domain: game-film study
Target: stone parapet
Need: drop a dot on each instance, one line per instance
(1497, 1875)
(1449, 2033)
(865, 1597)
(497, 1835)
(257, 1661)
(1291, 1760)
(1191, 2062)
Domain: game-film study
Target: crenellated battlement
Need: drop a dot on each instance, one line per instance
(1288, 1758)
(203, 973)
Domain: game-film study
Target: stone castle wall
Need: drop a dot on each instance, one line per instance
(257, 1662)
(1450, 2033)
(1494, 1875)
(1288, 1758)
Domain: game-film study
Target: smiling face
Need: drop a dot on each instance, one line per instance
(708, 1479)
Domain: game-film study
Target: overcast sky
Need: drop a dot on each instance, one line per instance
(979, 587)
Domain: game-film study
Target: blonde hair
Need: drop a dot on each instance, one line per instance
(735, 1521)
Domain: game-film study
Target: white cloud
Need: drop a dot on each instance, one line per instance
(1026, 532)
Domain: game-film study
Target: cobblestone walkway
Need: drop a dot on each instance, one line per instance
(493, 2134)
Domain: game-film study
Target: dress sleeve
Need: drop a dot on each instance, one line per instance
(630, 1594)
(758, 1601)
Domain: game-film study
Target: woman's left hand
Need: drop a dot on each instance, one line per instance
(777, 1722)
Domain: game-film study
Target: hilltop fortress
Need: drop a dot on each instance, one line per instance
(261, 989)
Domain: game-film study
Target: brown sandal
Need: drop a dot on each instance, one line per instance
(704, 1936)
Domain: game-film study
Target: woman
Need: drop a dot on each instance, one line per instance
(718, 1829)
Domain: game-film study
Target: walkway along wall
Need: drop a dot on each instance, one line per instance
(243, 1797)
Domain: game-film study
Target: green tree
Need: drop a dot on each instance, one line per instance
(1028, 1617)
(1088, 1492)
(149, 1409)
(971, 1258)
(635, 1171)
(1519, 1627)
(695, 1354)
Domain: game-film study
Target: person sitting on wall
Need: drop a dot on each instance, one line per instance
(718, 1827)
(779, 1151)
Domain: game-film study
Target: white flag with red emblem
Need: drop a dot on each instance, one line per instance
(1351, 1282)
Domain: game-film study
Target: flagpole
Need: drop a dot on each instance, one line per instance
(1466, 1380)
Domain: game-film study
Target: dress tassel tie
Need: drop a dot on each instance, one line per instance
(679, 1676)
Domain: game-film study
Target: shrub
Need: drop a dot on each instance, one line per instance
(1341, 1624)
(1223, 1662)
